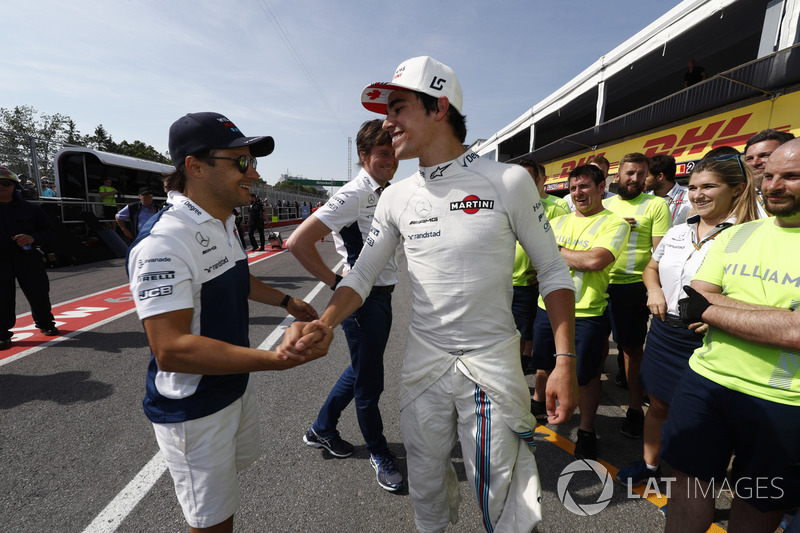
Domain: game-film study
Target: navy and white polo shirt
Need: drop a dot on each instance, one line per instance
(349, 214)
(186, 259)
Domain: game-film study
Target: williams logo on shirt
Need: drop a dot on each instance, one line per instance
(471, 204)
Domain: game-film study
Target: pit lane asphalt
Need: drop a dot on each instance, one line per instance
(74, 434)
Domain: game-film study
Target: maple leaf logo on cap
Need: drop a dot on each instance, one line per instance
(374, 94)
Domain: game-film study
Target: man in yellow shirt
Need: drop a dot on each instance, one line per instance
(109, 196)
(741, 395)
(589, 240)
(648, 217)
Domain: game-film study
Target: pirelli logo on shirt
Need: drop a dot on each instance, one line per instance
(156, 276)
(471, 204)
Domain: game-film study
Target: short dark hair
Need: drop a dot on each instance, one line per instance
(600, 160)
(663, 164)
(530, 163)
(768, 135)
(587, 170)
(634, 157)
(370, 135)
(720, 151)
(456, 120)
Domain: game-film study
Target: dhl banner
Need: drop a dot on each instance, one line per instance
(687, 143)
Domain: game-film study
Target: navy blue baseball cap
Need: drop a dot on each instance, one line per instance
(196, 132)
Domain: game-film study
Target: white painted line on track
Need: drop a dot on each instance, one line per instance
(121, 506)
(63, 338)
(115, 512)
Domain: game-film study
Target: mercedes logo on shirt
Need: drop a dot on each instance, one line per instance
(202, 239)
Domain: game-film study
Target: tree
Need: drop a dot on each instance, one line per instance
(74, 137)
(102, 141)
(142, 151)
(49, 133)
(21, 124)
(287, 185)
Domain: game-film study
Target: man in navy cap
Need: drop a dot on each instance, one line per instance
(132, 218)
(190, 281)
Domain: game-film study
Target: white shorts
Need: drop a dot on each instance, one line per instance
(204, 456)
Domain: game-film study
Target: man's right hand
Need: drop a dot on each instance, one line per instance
(305, 341)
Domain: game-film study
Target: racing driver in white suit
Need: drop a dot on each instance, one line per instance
(458, 219)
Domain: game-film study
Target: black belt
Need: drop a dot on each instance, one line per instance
(676, 322)
(383, 289)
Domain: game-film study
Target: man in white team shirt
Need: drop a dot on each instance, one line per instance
(349, 213)
(191, 283)
(660, 181)
(458, 219)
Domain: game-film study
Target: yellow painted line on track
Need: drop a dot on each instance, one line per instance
(569, 447)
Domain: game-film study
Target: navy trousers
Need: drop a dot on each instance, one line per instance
(366, 331)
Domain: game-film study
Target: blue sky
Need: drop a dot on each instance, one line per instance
(137, 65)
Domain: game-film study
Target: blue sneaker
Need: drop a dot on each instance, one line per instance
(389, 477)
(637, 473)
(335, 444)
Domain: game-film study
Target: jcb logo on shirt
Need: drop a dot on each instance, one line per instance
(155, 292)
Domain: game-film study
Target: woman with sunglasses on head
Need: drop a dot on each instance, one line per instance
(721, 193)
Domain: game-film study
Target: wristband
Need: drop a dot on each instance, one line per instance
(567, 355)
(338, 279)
(285, 301)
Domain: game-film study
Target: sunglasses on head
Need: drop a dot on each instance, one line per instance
(243, 162)
(738, 160)
(7, 183)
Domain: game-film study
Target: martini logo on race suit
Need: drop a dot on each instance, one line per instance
(471, 204)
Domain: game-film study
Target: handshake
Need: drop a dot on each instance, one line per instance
(304, 342)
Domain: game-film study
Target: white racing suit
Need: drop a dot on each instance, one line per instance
(461, 376)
